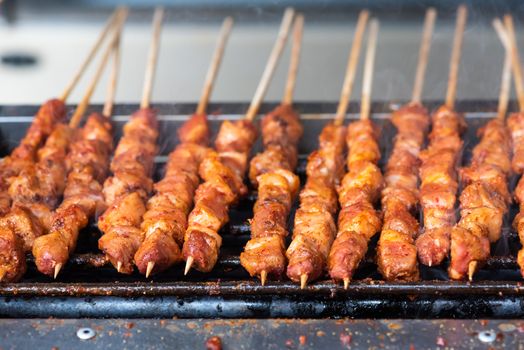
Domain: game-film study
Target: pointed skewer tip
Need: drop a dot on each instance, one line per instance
(118, 266)
(263, 277)
(150, 267)
(303, 281)
(346, 283)
(189, 263)
(472, 268)
(58, 267)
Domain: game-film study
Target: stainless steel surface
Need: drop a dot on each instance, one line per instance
(264, 334)
(60, 41)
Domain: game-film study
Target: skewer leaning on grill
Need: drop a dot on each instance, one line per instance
(396, 252)
(129, 187)
(485, 198)
(37, 190)
(438, 173)
(165, 220)
(314, 227)
(50, 113)
(358, 220)
(87, 165)
(515, 123)
(272, 172)
(223, 173)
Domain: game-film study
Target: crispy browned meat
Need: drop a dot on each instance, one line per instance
(515, 124)
(265, 251)
(483, 201)
(234, 142)
(281, 131)
(88, 165)
(127, 191)
(165, 220)
(314, 228)
(35, 193)
(12, 256)
(122, 236)
(439, 185)
(358, 221)
(195, 130)
(223, 172)
(25, 154)
(396, 251)
(272, 171)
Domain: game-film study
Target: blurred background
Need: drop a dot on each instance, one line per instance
(43, 42)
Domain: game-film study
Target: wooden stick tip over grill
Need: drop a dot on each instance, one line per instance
(263, 277)
(189, 263)
(303, 281)
(472, 268)
(58, 267)
(150, 267)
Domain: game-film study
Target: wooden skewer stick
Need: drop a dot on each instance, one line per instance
(303, 280)
(365, 106)
(351, 69)
(82, 106)
(502, 33)
(298, 30)
(113, 79)
(271, 64)
(472, 268)
(109, 25)
(505, 86)
(215, 64)
(274, 57)
(263, 277)
(429, 24)
(152, 58)
(462, 14)
(108, 105)
(517, 68)
(189, 263)
(149, 268)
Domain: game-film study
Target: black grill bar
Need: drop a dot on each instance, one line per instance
(244, 288)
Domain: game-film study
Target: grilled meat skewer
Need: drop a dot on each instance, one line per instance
(396, 252)
(315, 228)
(165, 220)
(223, 172)
(272, 171)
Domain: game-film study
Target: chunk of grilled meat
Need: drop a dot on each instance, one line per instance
(272, 171)
(88, 165)
(43, 124)
(483, 201)
(396, 251)
(439, 184)
(223, 173)
(314, 227)
(35, 193)
(165, 220)
(127, 191)
(25, 154)
(358, 221)
(515, 123)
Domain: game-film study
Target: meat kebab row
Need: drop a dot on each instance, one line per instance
(60, 178)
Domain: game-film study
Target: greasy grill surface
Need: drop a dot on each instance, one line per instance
(88, 286)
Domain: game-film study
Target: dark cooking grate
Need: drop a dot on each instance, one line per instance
(87, 286)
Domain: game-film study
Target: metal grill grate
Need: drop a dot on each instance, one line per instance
(87, 286)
